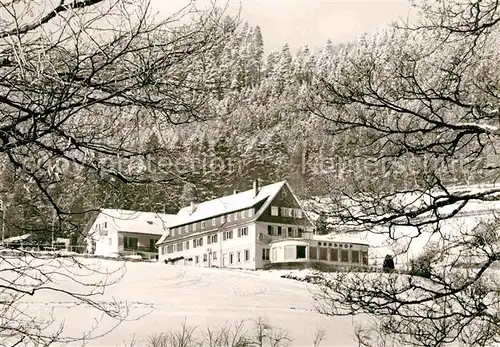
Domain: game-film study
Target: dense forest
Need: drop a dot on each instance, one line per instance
(260, 125)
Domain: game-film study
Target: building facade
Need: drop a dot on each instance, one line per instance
(235, 231)
(342, 250)
(116, 233)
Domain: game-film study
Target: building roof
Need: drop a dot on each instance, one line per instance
(19, 238)
(359, 238)
(338, 238)
(227, 204)
(138, 222)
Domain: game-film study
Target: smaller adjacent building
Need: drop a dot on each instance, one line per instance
(116, 233)
(334, 249)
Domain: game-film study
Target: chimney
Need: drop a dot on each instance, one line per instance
(192, 207)
(255, 187)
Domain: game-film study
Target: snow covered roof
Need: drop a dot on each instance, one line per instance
(17, 238)
(348, 238)
(227, 204)
(137, 221)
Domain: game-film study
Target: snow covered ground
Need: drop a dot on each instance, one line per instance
(163, 296)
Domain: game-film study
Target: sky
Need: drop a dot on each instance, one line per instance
(300, 22)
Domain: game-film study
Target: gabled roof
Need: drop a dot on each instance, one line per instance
(138, 222)
(226, 204)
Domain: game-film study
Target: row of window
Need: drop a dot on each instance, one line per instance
(241, 256)
(213, 222)
(336, 255)
(275, 230)
(336, 245)
(198, 242)
(286, 212)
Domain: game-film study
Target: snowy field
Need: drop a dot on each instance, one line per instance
(164, 296)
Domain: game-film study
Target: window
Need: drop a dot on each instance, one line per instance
(344, 256)
(250, 212)
(313, 253)
(187, 244)
(105, 225)
(222, 219)
(202, 224)
(278, 230)
(243, 231)
(196, 260)
(194, 243)
(284, 231)
(275, 230)
(231, 258)
(214, 255)
(247, 254)
(227, 235)
(152, 244)
(354, 256)
(334, 254)
(213, 222)
(297, 213)
(301, 252)
(179, 246)
(236, 215)
(265, 253)
(301, 231)
(173, 231)
(214, 238)
(323, 253)
(130, 242)
(205, 258)
(238, 257)
(274, 210)
(186, 229)
(292, 232)
(269, 230)
(229, 217)
(163, 250)
(199, 242)
(194, 226)
(283, 211)
(365, 258)
(170, 249)
(209, 239)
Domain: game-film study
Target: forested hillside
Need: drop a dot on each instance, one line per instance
(259, 125)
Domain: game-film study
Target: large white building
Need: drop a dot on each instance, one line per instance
(121, 233)
(235, 231)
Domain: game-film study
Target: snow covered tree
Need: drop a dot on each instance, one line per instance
(81, 84)
(421, 101)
